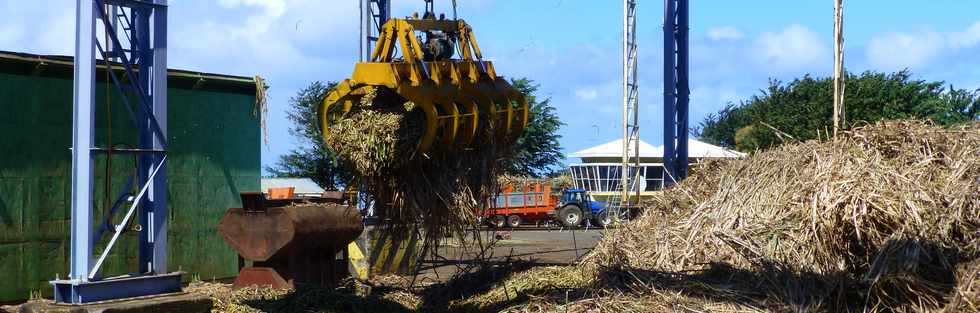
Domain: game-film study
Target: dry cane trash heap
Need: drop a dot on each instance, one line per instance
(884, 219)
(438, 192)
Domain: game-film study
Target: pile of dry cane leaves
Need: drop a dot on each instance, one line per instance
(884, 219)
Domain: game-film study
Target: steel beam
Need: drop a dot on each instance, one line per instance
(143, 56)
(676, 91)
(83, 136)
(158, 192)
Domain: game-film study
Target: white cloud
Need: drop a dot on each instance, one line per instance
(587, 94)
(919, 49)
(59, 35)
(258, 22)
(967, 38)
(796, 47)
(896, 51)
(272, 7)
(724, 33)
(464, 8)
(19, 29)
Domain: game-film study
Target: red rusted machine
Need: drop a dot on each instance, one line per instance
(290, 240)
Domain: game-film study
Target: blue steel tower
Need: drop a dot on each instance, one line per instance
(676, 91)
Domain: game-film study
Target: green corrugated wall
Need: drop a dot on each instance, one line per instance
(214, 153)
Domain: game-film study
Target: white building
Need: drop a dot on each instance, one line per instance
(600, 167)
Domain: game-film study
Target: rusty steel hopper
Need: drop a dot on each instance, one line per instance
(290, 240)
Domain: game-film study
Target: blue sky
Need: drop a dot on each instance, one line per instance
(571, 47)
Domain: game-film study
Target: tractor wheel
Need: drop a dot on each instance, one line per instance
(513, 221)
(603, 219)
(498, 221)
(570, 216)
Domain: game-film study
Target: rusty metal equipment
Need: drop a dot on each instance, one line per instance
(290, 241)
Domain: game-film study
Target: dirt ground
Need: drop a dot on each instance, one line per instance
(445, 273)
(540, 246)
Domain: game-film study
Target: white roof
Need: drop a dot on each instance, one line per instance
(615, 149)
(304, 186)
(695, 149)
(698, 149)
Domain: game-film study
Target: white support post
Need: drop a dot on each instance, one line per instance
(839, 116)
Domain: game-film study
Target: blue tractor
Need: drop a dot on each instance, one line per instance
(577, 207)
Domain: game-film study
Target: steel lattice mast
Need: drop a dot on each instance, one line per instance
(631, 126)
(374, 15)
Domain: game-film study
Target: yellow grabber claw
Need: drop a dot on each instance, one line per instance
(460, 97)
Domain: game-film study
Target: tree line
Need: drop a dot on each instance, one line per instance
(802, 109)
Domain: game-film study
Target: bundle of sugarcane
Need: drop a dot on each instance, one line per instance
(558, 183)
(438, 193)
(377, 138)
(563, 181)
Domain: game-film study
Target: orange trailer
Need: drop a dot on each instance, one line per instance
(515, 205)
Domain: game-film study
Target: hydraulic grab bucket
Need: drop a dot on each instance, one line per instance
(458, 97)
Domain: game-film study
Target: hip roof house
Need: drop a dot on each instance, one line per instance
(600, 167)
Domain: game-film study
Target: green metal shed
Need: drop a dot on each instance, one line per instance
(214, 153)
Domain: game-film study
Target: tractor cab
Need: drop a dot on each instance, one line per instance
(574, 196)
(577, 206)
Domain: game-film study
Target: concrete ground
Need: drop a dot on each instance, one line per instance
(541, 246)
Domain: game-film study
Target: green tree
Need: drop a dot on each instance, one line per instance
(312, 158)
(537, 152)
(803, 108)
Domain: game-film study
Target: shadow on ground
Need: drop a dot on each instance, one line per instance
(486, 277)
(923, 275)
(920, 276)
(327, 300)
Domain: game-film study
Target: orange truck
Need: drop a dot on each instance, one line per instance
(528, 203)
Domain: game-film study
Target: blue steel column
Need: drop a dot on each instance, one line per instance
(670, 97)
(158, 193)
(683, 90)
(82, 141)
(142, 53)
(676, 90)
